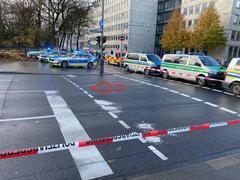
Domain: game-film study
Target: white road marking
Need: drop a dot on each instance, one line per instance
(211, 104)
(124, 124)
(188, 96)
(164, 88)
(85, 92)
(89, 160)
(229, 93)
(145, 126)
(216, 90)
(173, 91)
(185, 95)
(26, 118)
(89, 95)
(7, 80)
(205, 87)
(158, 153)
(143, 140)
(27, 91)
(197, 99)
(113, 115)
(228, 110)
(72, 76)
(107, 106)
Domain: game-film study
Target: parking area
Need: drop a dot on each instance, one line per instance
(40, 109)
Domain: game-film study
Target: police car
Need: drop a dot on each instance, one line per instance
(233, 76)
(76, 60)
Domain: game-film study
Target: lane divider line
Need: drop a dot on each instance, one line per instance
(113, 139)
(124, 124)
(113, 115)
(228, 110)
(185, 95)
(195, 85)
(27, 118)
(211, 104)
(158, 153)
(197, 99)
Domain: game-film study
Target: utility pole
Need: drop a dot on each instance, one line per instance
(102, 33)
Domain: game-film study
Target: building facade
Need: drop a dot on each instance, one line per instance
(135, 20)
(165, 9)
(229, 12)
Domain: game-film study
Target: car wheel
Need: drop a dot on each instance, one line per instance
(90, 65)
(34, 56)
(165, 74)
(201, 81)
(147, 72)
(64, 64)
(235, 88)
(127, 68)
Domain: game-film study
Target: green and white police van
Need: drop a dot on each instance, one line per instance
(233, 76)
(195, 68)
(142, 62)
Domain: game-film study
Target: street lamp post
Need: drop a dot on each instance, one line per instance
(102, 33)
(57, 37)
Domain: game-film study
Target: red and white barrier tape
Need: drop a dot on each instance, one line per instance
(114, 139)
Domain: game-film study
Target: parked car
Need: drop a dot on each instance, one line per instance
(33, 54)
(192, 67)
(233, 76)
(44, 56)
(146, 63)
(78, 59)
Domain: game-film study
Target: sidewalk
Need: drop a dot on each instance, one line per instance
(223, 168)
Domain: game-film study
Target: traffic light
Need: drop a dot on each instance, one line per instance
(98, 39)
(104, 39)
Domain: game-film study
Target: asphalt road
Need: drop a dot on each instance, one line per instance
(43, 106)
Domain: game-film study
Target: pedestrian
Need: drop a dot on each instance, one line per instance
(98, 56)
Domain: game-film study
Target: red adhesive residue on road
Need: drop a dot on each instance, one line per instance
(110, 88)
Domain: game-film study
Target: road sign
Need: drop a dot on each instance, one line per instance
(101, 23)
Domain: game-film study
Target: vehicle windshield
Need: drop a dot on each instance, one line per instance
(208, 61)
(153, 57)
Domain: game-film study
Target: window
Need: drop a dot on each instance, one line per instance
(238, 4)
(197, 9)
(238, 36)
(191, 9)
(204, 6)
(143, 58)
(230, 52)
(208, 61)
(133, 56)
(233, 35)
(190, 23)
(153, 58)
(183, 60)
(235, 51)
(194, 61)
(235, 19)
(176, 59)
(185, 11)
